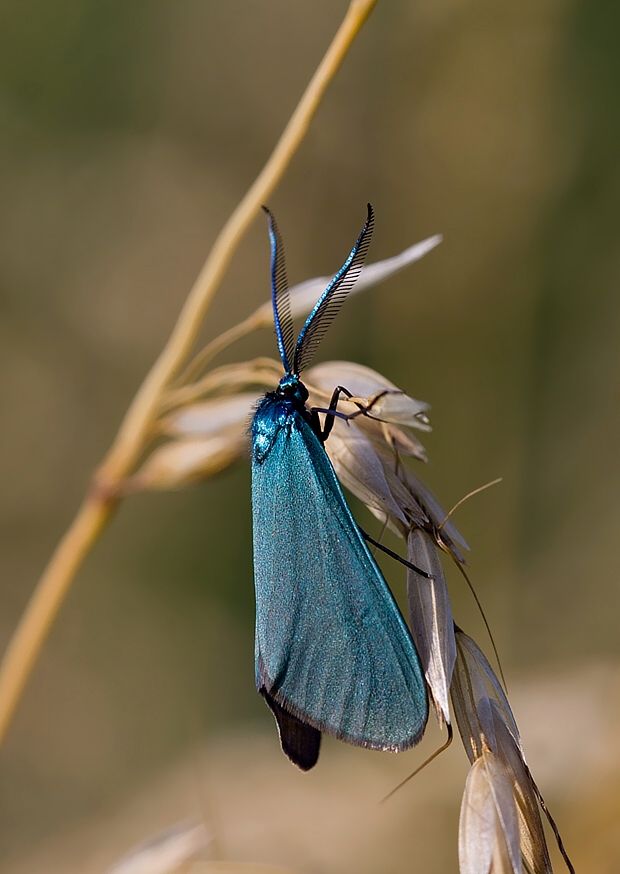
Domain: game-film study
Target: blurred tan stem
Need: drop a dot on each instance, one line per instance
(136, 428)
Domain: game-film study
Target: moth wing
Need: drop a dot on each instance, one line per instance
(299, 741)
(332, 648)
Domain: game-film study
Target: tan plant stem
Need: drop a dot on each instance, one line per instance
(38, 617)
(136, 428)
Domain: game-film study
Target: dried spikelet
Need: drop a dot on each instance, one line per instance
(358, 468)
(430, 617)
(474, 687)
(486, 724)
(233, 868)
(165, 852)
(184, 461)
(488, 825)
(385, 401)
(211, 416)
(533, 843)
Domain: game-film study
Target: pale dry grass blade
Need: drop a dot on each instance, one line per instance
(235, 868)
(477, 823)
(488, 826)
(430, 617)
(533, 843)
(472, 706)
(436, 513)
(400, 440)
(181, 462)
(397, 408)
(228, 379)
(164, 852)
(476, 687)
(361, 381)
(211, 416)
(358, 468)
(413, 512)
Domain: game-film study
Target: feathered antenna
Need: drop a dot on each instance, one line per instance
(328, 305)
(280, 295)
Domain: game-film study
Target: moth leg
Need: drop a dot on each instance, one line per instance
(395, 555)
(331, 412)
(299, 741)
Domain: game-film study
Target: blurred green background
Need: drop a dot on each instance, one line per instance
(129, 132)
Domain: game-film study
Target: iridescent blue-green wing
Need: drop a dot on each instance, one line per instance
(332, 648)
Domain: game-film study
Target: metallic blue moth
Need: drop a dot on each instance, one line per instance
(333, 652)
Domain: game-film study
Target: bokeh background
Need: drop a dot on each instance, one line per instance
(129, 132)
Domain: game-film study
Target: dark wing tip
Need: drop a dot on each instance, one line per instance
(299, 741)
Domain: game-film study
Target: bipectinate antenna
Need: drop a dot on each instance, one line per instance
(333, 297)
(280, 296)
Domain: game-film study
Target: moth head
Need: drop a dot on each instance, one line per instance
(291, 387)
